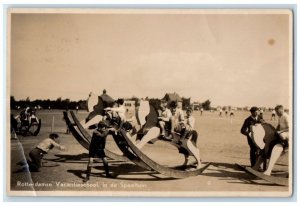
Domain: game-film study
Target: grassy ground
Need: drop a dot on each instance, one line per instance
(220, 142)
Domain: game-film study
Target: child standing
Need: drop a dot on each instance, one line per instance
(97, 147)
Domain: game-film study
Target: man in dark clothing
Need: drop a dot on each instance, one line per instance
(253, 119)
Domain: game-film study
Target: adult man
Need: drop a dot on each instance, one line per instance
(246, 130)
(283, 136)
(164, 118)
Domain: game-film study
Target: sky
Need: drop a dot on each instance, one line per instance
(237, 59)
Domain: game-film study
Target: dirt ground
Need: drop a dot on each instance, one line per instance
(220, 143)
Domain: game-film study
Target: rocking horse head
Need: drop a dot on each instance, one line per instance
(263, 134)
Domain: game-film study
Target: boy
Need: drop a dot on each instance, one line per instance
(177, 120)
(164, 118)
(97, 147)
(117, 113)
(41, 149)
(273, 115)
(190, 122)
(187, 128)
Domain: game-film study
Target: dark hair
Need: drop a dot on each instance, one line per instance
(120, 101)
(278, 107)
(173, 104)
(189, 109)
(253, 109)
(103, 124)
(53, 135)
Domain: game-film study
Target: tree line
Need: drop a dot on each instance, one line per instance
(59, 103)
(65, 104)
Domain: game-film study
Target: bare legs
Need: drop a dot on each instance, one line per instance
(90, 165)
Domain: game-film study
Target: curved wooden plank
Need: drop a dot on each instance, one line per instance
(123, 146)
(88, 138)
(74, 132)
(159, 168)
(36, 132)
(240, 166)
(275, 180)
(85, 134)
(86, 143)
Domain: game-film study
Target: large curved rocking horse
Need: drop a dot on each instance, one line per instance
(264, 135)
(132, 143)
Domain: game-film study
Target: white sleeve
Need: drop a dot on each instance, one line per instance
(118, 109)
(192, 122)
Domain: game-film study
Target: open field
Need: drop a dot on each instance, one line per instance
(220, 142)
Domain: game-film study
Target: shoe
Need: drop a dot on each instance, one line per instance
(86, 179)
(109, 176)
(170, 137)
(260, 170)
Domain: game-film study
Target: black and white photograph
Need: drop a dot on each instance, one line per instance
(150, 102)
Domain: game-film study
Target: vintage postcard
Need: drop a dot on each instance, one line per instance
(150, 102)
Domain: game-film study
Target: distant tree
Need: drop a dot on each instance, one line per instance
(12, 102)
(82, 104)
(66, 104)
(186, 102)
(206, 105)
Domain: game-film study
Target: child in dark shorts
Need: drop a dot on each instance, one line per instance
(97, 147)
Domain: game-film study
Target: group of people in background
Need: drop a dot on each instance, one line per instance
(231, 113)
(25, 118)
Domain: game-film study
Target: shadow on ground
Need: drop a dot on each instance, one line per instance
(129, 171)
(122, 171)
(232, 173)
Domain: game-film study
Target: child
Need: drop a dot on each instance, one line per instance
(97, 147)
(164, 118)
(33, 118)
(41, 149)
(273, 114)
(118, 113)
(189, 124)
